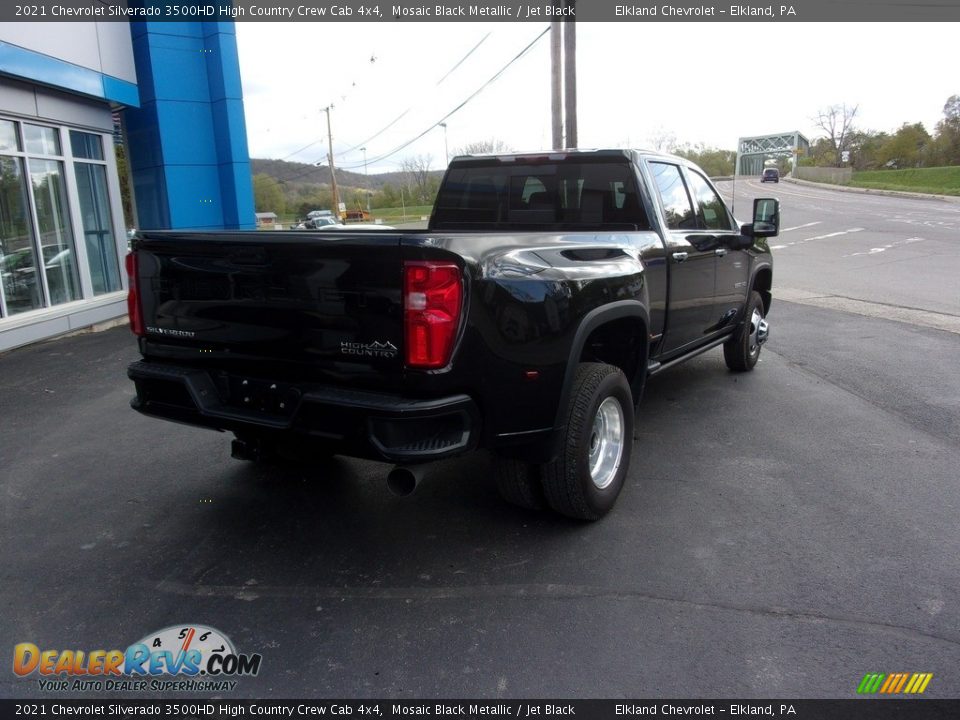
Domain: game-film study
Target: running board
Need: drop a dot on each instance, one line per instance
(654, 367)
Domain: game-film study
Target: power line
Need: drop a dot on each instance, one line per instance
(459, 107)
(399, 117)
(493, 78)
(363, 143)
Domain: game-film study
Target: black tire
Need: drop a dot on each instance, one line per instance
(519, 483)
(742, 351)
(571, 487)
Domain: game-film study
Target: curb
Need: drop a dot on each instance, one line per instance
(871, 191)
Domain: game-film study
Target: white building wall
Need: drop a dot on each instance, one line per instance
(103, 47)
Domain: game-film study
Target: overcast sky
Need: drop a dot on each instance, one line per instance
(704, 82)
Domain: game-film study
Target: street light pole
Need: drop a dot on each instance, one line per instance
(446, 152)
(333, 172)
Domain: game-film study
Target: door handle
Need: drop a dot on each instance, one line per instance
(680, 256)
(720, 252)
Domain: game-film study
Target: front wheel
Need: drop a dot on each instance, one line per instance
(586, 479)
(742, 351)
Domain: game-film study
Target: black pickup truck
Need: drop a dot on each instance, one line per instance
(525, 320)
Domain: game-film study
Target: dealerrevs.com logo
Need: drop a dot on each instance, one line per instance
(188, 658)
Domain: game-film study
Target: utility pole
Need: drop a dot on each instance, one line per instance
(366, 176)
(556, 98)
(446, 151)
(333, 172)
(570, 76)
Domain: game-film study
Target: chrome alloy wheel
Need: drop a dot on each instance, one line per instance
(606, 443)
(759, 331)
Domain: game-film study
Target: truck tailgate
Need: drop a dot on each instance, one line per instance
(328, 301)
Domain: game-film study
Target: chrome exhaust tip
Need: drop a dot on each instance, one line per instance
(402, 481)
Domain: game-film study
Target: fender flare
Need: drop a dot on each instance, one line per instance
(590, 322)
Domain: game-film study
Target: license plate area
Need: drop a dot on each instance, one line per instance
(262, 396)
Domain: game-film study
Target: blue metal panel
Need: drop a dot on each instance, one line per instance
(179, 68)
(195, 197)
(236, 182)
(120, 91)
(224, 84)
(193, 116)
(231, 132)
(187, 133)
(31, 65)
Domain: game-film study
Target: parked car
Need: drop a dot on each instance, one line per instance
(321, 221)
(770, 175)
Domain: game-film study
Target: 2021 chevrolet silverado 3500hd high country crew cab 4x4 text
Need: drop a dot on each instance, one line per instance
(525, 320)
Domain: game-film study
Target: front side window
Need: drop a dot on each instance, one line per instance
(712, 210)
(677, 208)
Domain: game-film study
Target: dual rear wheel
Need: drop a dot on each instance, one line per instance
(585, 480)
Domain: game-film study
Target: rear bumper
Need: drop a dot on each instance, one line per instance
(358, 423)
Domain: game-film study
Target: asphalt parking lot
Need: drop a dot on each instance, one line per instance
(781, 534)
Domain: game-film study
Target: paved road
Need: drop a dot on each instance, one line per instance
(894, 251)
(781, 533)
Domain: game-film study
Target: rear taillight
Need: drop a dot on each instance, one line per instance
(432, 298)
(134, 311)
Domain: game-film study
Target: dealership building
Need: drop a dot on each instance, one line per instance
(68, 91)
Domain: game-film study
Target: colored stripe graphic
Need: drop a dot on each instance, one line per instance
(918, 683)
(870, 683)
(894, 683)
(890, 683)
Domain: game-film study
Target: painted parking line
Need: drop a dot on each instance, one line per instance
(818, 237)
(800, 227)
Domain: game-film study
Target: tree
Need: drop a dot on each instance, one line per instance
(126, 195)
(663, 140)
(483, 147)
(822, 154)
(713, 161)
(837, 122)
(865, 149)
(951, 112)
(906, 147)
(267, 194)
(945, 148)
(417, 172)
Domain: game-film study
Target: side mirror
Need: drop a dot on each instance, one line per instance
(766, 217)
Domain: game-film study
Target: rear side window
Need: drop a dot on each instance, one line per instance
(677, 208)
(557, 195)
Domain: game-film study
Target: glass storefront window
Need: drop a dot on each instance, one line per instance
(56, 238)
(41, 140)
(98, 233)
(47, 221)
(86, 146)
(8, 136)
(21, 291)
